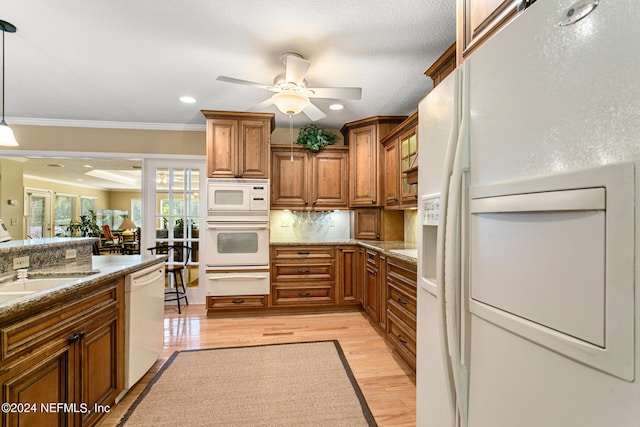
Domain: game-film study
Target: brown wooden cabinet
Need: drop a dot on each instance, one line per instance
(348, 280)
(238, 144)
(401, 306)
(480, 19)
(378, 224)
(400, 149)
(302, 275)
(70, 352)
(443, 66)
(372, 297)
(365, 158)
(303, 180)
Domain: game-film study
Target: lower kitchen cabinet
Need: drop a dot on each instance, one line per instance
(348, 277)
(401, 306)
(302, 275)
(372, 285)
(69, 354)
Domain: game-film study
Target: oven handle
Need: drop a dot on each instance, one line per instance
(211, 226)
(235, 277)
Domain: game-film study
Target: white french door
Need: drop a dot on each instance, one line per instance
(173, 213)
(38, 220)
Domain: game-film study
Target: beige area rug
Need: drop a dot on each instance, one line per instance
(301, 384)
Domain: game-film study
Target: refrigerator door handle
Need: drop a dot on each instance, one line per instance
(453, 260)
(440, 246)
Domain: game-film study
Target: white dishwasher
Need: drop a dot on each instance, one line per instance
(144, 322)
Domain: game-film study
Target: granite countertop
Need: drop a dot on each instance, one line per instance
(385, 247)
(103, 268)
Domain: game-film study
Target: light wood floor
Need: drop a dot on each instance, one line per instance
(387, 384)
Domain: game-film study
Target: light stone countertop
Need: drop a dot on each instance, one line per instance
(384, 247)
(103, 268)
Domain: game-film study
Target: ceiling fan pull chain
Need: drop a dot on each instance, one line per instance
(291, 133)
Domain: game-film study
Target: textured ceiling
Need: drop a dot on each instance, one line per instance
(125, 63)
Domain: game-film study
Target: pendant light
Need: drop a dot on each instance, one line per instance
(6, 134)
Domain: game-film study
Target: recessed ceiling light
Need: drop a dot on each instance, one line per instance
(87, 166)
(55, 165)
(187, 99)
(336, 107)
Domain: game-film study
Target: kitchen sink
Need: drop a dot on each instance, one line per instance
(413, 253)
(35, 285)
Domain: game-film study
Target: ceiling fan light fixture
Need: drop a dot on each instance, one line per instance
(290, 102)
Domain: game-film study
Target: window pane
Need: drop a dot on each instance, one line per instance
(62, 214)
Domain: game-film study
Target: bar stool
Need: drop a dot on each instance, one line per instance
(179, 256)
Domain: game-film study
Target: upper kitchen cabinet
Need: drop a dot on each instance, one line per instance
(238, 144)
(478, 20)
(400, 148)
(443, 66)
(303, 180)
(365, 158)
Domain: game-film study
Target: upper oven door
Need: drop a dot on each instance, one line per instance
(237, 244)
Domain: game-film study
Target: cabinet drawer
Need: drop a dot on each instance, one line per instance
(302, 295)
(372, 257)
(403, 339)
(236, 302)
(297, 271)
(27, 334)
(302, 252)
(402, 304)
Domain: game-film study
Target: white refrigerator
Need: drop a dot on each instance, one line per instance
(528, 207)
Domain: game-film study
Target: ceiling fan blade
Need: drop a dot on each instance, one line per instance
(313, 112)
(245, 82)
(336, 92)
(296, 68)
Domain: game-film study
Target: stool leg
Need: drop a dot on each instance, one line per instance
(184, 289)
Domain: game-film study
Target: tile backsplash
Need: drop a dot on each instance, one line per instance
(411, 226)
(317, 226)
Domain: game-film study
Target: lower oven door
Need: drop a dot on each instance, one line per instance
(248, 282)
(237, 244)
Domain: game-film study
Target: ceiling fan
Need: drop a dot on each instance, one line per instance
(291, 92)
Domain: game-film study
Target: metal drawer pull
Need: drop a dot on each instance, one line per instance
(303, 270)
(303, 252)
(401, 301)
(304, 294)
(401, 340)
(238, 301)
(75, 337)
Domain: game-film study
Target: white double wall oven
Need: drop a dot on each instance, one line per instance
(237, 237)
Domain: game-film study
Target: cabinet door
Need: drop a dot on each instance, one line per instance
(289, 178)
(222, 143)
(366, 224)
(363, 167)
(391, 174)
(371, 292)
(408, 153)
(43, 379)
(482, 18)
(348, 291)
(253, 149)
(329, 173)
(101, 363)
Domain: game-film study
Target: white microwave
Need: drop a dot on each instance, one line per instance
(237, 199)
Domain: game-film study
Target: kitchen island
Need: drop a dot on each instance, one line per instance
(63, 344)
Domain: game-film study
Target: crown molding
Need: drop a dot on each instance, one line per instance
(27, 121)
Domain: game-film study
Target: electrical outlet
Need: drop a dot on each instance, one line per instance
(21, 262)
(285, 222)
(332, 222)
(70, 254)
